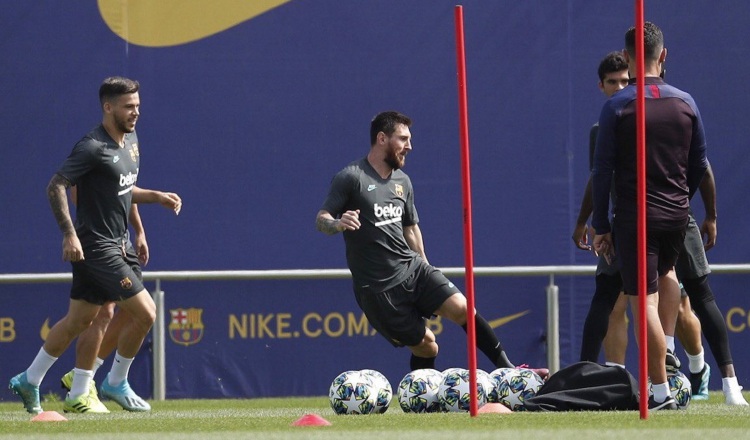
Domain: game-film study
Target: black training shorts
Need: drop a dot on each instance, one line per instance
(662, 249)
(399, 313)
(107, 274)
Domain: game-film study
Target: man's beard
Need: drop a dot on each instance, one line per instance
(123, 126)
(394, 161)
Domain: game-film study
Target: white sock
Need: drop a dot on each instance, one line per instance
(614, 364)
(81, 381)
(120, 369)
(39, 367)
(730, 384)
(98, 363)
(670, 343)
(661, 391)
(696, 363)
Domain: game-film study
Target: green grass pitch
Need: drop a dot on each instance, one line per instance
(273, 418)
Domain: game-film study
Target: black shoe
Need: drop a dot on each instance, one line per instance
(668, 404)
(672, 361)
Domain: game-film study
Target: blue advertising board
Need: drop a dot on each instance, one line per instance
(248, 116)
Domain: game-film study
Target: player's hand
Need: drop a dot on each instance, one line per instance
(581, 236)
(603, 246)
(708, 231)
(72, 249)
(141, 248)
(349, 221)
(171, 201)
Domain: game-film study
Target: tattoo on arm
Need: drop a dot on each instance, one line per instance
(326, 225)
(58, 201)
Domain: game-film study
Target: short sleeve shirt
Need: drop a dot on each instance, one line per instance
(104, 174)
(377, 253)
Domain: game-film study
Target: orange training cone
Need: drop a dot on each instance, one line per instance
(494, 408)
(49, 416)
(311, 420)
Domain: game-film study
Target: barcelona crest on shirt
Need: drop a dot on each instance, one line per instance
(399, 190)
(134, 153)
(186, 326)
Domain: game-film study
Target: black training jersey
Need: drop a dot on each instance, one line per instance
(104, 174)
(675, 156)
(377, 253)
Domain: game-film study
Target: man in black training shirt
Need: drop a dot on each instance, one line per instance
(372, 202)
(675, 165)
(104, 168)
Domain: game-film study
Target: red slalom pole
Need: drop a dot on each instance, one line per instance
(641, 208)
(463, 125)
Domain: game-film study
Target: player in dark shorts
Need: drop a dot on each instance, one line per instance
(693, 270)
(372, 202)
(105, 329)
(606, 322)
(104, 167)
(675, 164)
(607, 313)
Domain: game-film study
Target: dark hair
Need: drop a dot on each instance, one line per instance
(613, 62)
(115, 86)
(386, 122)
(653, 41)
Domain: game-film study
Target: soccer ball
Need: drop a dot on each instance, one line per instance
(485, 382)
(517, 385)
(382, 388)
(680, 388)
(352, 393)
(496, 377)
(417, 391)
(454, 391)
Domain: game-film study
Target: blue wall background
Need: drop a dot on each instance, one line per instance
(250, 124)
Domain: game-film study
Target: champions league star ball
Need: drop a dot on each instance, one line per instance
(517, 385)
(418, 391)
(454, 390)
(680, 389)
(352, 393)
(485, 382)
(382, 389)
(495, 378)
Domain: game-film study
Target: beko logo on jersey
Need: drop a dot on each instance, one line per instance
(128, 179)
(390, 213)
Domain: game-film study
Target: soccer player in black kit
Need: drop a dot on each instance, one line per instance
(104, 168)
(372, 202)
(675, 165)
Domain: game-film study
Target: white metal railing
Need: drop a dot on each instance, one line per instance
(159, 332)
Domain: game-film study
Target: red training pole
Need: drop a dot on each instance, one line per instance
(641, 208)
(463, 125)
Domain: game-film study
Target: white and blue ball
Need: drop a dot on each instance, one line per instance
(352, 392)
(517, 385)
(418, 391)
(382, 389)
(455, 390)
